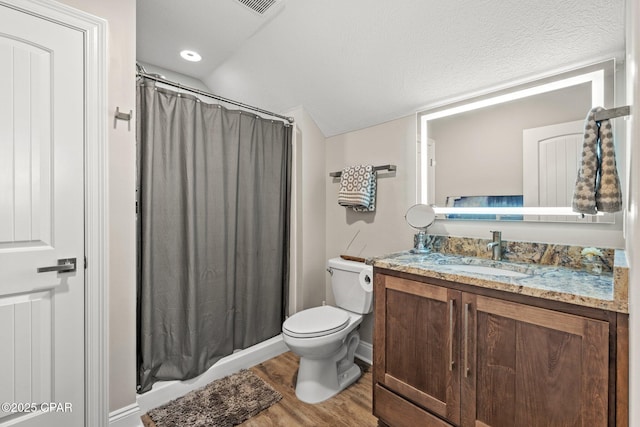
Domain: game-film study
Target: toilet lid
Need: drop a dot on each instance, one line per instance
(316, 322)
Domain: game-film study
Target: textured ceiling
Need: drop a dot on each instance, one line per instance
(356, 63)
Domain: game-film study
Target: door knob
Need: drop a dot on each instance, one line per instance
(65, 265)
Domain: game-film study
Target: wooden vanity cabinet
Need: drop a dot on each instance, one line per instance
(418, 340)
(525, 366)
(445, 356)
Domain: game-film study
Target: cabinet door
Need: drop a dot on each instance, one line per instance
(416, 346)
(527, 366)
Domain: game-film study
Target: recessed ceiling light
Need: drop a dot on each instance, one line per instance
(190, 55)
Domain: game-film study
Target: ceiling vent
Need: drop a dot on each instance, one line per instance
(259, 6)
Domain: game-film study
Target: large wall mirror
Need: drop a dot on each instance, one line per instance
(514, 154)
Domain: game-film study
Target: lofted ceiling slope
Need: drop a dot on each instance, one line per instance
(356, 63)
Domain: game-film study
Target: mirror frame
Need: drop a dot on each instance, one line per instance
(602, 78)
(423, 211)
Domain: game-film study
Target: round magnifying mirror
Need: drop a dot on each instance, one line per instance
(420, 216)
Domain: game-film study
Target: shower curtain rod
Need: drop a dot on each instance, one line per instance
(162, 80)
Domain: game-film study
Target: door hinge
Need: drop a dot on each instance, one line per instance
(85, 262)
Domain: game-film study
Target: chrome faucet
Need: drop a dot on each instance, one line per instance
(496, 246)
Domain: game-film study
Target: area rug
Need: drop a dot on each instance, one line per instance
(223, 403)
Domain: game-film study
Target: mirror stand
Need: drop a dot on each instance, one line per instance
(419, 243)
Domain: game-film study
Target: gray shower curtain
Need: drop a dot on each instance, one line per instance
(213, 232)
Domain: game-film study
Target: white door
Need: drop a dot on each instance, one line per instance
(41, 221)
(552, 156)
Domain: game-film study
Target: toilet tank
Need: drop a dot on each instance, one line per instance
(352, 284)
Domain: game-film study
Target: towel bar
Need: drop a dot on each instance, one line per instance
(612, 113)
(390, 168)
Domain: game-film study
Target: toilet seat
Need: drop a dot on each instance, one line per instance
(316, 322)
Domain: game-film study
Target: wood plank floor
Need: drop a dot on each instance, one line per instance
(351, 408)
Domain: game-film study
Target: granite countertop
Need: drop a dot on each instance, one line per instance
(608, 290)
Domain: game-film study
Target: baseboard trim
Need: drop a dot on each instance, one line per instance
(128, 416)
(364, 352)
(163, 392)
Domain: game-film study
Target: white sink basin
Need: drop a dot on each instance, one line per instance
(481, 269)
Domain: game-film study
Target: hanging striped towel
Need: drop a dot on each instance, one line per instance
(358, 188)
(597, 185)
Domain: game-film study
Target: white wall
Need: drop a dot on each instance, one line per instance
(121, 17)
(385, 230)
(308, 205)
(632, 213)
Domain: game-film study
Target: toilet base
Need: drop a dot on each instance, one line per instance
(320, 379)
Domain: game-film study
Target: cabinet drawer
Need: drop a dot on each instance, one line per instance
(397, 412)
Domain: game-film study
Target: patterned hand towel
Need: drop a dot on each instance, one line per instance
(608, 193)
(584, 194)
(371, 207)
(597, 185)
(358, 188)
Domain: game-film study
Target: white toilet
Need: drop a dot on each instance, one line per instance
(326, 337)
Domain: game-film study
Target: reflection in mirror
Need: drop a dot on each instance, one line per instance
(420, 217)
(513, 154)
